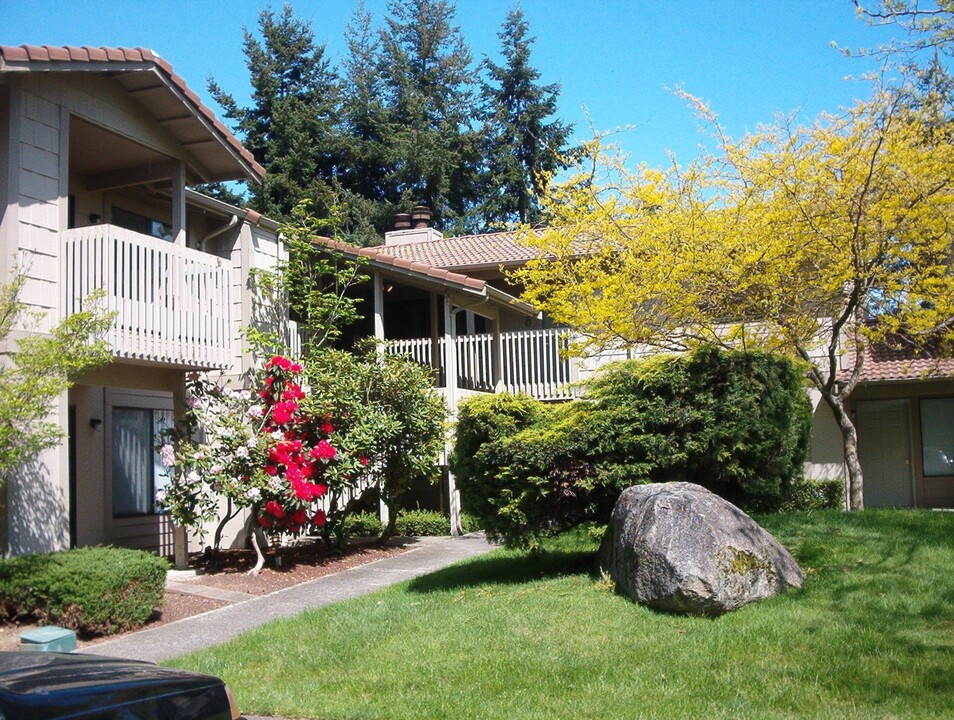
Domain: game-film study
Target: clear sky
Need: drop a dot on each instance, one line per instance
(616, 60)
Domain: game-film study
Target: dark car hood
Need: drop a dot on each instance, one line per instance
(55, 685)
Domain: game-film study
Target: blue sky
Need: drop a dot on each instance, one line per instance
(616, 60)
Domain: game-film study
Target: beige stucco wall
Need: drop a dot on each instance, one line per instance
(826, 460)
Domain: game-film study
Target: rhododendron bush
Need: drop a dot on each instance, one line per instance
(302, 448)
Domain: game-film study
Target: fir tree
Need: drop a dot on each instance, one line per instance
(290, 127)
(522, 149)
(430, 91)
(366, 128)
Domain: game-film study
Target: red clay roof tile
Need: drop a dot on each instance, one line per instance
(466, 251)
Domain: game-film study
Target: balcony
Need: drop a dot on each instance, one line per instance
(534, 362)
(173, 304)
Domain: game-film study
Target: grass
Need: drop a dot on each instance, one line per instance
(871, 635)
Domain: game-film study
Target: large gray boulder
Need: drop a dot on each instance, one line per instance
(679, 548)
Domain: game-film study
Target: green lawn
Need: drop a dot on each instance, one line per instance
(511, 636)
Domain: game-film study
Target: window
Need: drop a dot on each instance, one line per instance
(937, 436)
(141, 224)
(138, 472)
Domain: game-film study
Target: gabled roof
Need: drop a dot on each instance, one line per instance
(469, 252)
(430, 276)
(159, 90)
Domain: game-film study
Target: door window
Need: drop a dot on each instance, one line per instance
(138, 472)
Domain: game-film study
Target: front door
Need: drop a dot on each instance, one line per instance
(884, 448)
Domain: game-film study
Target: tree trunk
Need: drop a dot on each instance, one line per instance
(854, 491)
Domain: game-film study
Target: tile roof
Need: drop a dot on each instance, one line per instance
(377, 257)
(465, 251)
(885, 363)
(87, 58)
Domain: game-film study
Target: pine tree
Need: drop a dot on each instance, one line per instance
(290, 127)
(521, 148)
(430, 92)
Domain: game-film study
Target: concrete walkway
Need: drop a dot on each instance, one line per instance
(217, 626)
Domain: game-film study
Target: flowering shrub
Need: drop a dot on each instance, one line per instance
(263, 451)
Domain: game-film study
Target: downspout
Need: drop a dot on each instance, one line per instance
(233, 221)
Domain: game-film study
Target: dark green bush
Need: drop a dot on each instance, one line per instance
(94, 590)
(736, 423)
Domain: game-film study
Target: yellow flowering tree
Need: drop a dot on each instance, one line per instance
(812, 241)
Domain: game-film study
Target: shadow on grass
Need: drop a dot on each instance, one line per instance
(510, 570)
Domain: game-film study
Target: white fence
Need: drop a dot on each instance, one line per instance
(172, 303)
(534, 361)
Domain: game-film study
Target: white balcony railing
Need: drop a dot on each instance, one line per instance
(534, 361)
(172, 304)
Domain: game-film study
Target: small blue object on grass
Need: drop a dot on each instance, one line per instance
(48, 639)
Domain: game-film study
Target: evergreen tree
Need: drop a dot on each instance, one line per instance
(430, 92)
(366, 128)
(522, 149)
(290, 127)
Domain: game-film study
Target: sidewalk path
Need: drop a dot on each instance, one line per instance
(217, 626)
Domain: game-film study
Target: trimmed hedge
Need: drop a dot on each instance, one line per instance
(93, 590)
(737, 423)
(410, 523)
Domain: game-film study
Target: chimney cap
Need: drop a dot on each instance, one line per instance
(402, 221)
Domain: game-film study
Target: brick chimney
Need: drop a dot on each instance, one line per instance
(413, 227)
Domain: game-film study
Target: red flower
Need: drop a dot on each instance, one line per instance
(323, 451)
(295, 368)
(271, 470)
(265, 522)
(273, 508)
(327, 428)
(363, 461)
(318, 519)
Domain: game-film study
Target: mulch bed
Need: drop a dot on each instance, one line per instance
(287, 566)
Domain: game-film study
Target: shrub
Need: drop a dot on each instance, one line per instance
(410, 523)
(363, 524)
(816, 495)
(736, 423)
(94, 590)
(386, 411)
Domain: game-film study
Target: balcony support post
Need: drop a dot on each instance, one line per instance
(435, 335)
(178, 204)
(450, 372)
(496, 357)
